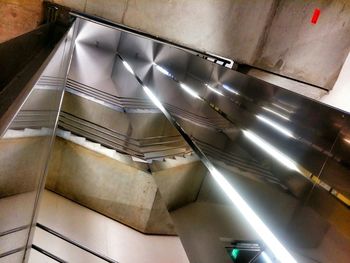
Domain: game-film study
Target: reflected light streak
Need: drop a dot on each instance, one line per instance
(271, 150)
(162, 70)
(255, 222)
(127, 66)
(230, 90)
(190, 91)
(282, 108)
(347, 140)
(266, 257)
(153, 98)
(276, 126)
(276, 113)
(214, 90)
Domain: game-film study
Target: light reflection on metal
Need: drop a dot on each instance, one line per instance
(214, 90)
(162, 70)
(127, 66)
(282, 108)
(230, 89)
(301, 170)
(255, 222)
(271, 150)
(276, 113)
(190, 91)
(271, 123)
(247, 212)
(347, 140)
(276, 126)
(153, 98)
(182, 85)
(266, 258)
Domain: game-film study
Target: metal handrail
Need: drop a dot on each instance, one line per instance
(48, 254)
(70, 241)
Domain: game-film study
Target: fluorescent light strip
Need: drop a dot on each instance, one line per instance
(190, 91)
(282, 108)
(276, 113)
(255, 222)
(276, 126)
(214, 90)
(271, 150)
(127, 66)
(230, 90)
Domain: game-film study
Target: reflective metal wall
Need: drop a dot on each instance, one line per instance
(276, 187)
(278, 183)
(277, 178)
(24, 151)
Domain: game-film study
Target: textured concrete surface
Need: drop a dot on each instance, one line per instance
(109, 9)
(122, 192)
(179, 185)
(294, 47)
(79, 5)
(340, 94)
(18, 17)
(112, 188)
(19, 168)
(158, 212)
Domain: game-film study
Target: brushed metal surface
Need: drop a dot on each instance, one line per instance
(284, 154)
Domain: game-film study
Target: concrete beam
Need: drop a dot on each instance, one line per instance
(110, 187)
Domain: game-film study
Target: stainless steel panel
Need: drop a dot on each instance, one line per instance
(277, 161)
(24, 153)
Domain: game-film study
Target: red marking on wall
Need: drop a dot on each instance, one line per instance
(315, 16)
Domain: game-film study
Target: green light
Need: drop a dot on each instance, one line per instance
(235, 253)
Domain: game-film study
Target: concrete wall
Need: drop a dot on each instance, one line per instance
(179, 185)
(18, 17)
(19, 168)
(127, 194)
(112, 188)
(294, 47)
(340, 94)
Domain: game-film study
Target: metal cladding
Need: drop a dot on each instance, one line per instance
(264, 173)
(278, 162)
(30, 104)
